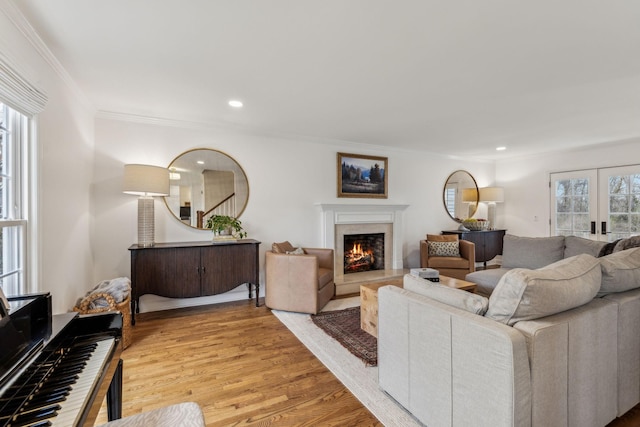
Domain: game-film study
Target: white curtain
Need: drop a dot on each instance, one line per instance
(17, 92)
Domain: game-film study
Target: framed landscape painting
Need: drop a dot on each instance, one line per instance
(362, 176)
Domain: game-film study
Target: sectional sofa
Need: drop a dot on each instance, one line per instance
(533, 252)
(553, 346)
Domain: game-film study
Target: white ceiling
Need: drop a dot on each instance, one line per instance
(456, 77)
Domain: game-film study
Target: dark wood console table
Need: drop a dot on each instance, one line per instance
(488, 243)
(193, 269)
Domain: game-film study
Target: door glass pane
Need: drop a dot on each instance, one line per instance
(563, 204)
(581, 222)
(634, 226)
(580, 187)
(618, 203)
(624, 203)
(635, 203)
(581, 204)
(572, 210)
(618, 185)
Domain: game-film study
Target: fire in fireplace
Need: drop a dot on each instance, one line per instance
(363, 252)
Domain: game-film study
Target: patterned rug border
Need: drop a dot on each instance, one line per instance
(344, 327)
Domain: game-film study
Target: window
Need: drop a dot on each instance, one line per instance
(20, 103)
(13, 219)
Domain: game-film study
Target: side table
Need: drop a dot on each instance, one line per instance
(369, 299)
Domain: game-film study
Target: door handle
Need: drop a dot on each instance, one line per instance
(603, 228)
(593, 227)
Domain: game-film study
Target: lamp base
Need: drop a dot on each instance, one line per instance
(146, 226)
(491, 214)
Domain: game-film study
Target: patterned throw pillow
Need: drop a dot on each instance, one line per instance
(444, 249)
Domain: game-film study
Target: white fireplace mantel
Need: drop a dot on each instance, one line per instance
(335, 214)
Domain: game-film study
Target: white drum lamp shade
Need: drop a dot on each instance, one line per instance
(491, 196)
(146, 181)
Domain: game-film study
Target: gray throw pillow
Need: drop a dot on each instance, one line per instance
(458, 298)
(531, 252)
(524, 294)
(620, 271)
(574, 245)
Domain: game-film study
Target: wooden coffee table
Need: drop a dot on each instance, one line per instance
(369, 299)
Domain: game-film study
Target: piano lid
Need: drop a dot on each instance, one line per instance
(23, 330)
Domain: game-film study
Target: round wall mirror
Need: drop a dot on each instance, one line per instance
(460, 195)
(204, 182)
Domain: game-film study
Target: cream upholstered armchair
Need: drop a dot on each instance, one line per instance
(449, 255)
(298, 279)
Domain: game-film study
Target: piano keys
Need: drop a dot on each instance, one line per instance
(58, 369)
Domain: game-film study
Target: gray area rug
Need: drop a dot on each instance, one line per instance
(362, 381)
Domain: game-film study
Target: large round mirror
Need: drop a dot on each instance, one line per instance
(460, 195)
(204, 182)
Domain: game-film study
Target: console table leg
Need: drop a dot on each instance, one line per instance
(257, 294)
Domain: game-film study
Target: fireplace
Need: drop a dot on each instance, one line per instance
(340, 220)
(363, 252)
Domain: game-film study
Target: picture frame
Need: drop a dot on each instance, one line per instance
(362, 176)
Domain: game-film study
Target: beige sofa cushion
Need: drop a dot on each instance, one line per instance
(620, 271)
(531, 252)
(525, 294)
(464, 300)
(574, 245)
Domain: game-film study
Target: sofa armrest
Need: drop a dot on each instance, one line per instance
(468, 250)
(424, 254)
(324, 255)
(450, 367)
(573, 357)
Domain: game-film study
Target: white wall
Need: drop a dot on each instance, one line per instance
(526, 181)
(65, 155)
(86, 224)
(287, 179)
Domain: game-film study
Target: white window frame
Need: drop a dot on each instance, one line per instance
(17, 245)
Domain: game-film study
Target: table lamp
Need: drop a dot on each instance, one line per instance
(147, 182)
(491, 196)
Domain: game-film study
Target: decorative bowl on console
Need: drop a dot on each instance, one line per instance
(476, 224)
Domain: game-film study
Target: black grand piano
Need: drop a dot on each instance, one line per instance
(56, 370)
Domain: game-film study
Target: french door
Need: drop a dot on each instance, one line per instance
(600, 204)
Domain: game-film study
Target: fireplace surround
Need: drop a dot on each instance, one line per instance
(341, 219)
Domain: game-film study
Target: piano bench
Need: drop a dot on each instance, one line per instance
(186, 414)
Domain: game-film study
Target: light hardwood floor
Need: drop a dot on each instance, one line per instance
(243, 367)
(239, 363)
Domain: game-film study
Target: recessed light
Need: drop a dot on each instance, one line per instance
(235, 103)
(501, 148)
(200, 162)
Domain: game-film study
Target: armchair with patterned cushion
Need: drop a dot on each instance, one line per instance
(449, 255)
(298, 279)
